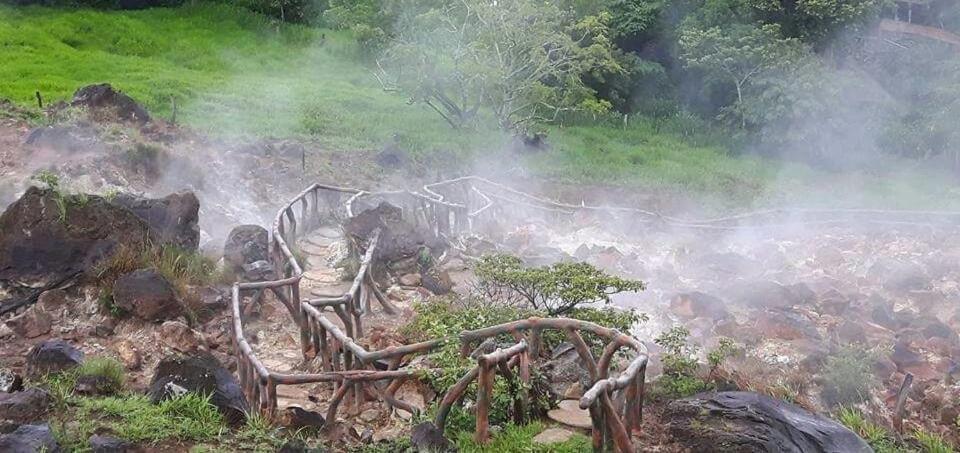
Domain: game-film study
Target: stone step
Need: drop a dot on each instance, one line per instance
(568, 413)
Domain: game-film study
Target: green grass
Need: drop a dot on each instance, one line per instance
(106, 367)
(233, 72)
(134, 418)
(520, 439)
(883, 441)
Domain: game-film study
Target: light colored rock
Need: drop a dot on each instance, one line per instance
(569, 413)
(179, 336)
(410, 280)
(128, 354)
(32, 323)
(552, 436)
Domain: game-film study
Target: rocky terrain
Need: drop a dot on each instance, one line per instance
(130, 189)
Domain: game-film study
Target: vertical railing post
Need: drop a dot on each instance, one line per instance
(484, 390)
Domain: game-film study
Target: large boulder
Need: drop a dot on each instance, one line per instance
(30, 439)
(26, 406)
(146, 294)
(105, 97)
(750, 422)
(201, 373)
(52, 356)
(399, 238)
(174, 219)
(246, 244)
(38, 247)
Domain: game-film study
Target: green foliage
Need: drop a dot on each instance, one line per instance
(614, 318)
(108, 368)
(134, 418)
(848, 376)
(61, 197)
(680, 368)
(515, 438)
(522, 60)
(877, 436)
(884, 441)
(556, 289)
(725, 349)
(931, 443)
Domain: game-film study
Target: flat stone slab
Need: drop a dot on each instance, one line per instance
(553, 436)
(569, 413)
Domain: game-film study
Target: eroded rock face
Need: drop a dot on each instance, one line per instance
(750, 422)
(201, 373)
(174, 219)
(146, 294)
(37, 247)
(52, 356)
(30, 439)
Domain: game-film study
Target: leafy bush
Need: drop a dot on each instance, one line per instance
(848, 376)
(556, 289)
(680, 367)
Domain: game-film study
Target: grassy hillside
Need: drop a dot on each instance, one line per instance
(234, 72)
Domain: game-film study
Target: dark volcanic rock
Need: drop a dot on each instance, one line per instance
(437, 281)
(30, 439)
(174, 219)
(107, 444)
(65, 139)
(104, 96)
(900, 276)
(26, 406)
(296, 418)
(52, 356)
(147, 295)
(398, 238)
(94, 385)
(37, 247)
(203, 374)
(427, 438)
(749, 422)
(245, 244)
(298, 446)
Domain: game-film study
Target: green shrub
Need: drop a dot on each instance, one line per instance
(848, 376)
(680, 367)
(556, 289)
(108, 368)
(879, 438)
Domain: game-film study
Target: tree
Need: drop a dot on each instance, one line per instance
(558, 288)
(741, 55)
(523, 60)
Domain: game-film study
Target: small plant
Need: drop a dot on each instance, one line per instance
(107, 368)
(61, 197)
(879, 438)
(519, 438)
(725, 349)
(847, 376)
(680, 367)
(556, 289)
(931, 443)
